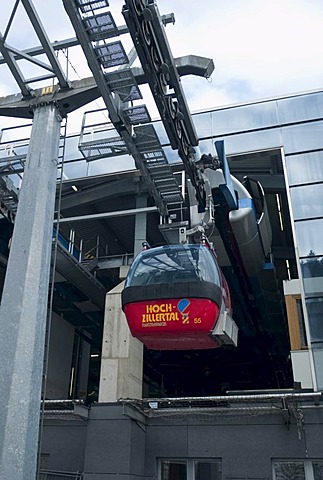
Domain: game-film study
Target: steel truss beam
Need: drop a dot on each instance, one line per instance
(10, 55)
(86, 90)
(14, 68)
(44, 40)
(69, 42)
(115, 110)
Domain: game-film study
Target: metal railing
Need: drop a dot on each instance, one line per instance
(55, 475)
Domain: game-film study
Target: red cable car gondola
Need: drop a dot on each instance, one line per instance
(176, 298)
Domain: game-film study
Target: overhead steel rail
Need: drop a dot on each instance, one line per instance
(149, 37)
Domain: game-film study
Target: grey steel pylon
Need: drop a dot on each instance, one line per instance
(24, 301)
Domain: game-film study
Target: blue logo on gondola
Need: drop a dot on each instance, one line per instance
(182, 306)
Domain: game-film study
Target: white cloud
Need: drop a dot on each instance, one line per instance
(260, 48)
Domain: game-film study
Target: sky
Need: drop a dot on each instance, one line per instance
(261, 49)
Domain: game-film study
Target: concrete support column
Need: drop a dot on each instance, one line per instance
(122, 355)
(24, 301)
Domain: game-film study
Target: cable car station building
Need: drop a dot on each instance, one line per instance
(113, 408)
(223, 413)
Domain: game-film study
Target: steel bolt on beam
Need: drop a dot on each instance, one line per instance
(23, 309)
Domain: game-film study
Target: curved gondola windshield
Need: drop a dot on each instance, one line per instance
(174, 263)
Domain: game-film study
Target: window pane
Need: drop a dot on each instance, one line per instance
(315, 314)
(208, 471)
(289, 471)
(301, 322)
(305, 107)
(307, 201)
(236, 119)
(161, 132)
(173, 470)
(312, 270)
(174, 263)
(318, 470)
(309, 236)
(71, 148)
(304, 168)
(300, 138)
(251, 141)
(75, 169)
(109, 165)
(171, 155)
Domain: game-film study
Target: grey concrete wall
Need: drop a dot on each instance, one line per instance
(124, 448)
(65, 443)
(115, 447)
(246, 447)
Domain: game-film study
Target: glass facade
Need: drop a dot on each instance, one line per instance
(315, 312)
(305, 168)
(307, 201)
(302, 144)
(236, 119)
(294, 124)
(300, 108)
(309, 235)
(302, 137)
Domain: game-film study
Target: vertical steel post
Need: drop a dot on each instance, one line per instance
(23, 309)
(140, 225)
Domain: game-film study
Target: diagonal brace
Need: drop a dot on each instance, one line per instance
(14, 68)
(44, 40)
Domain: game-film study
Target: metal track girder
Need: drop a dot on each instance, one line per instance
(147, 32)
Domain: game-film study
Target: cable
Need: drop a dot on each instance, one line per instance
(65, 53)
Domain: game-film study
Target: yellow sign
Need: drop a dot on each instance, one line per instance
(159, 313)
(47, 90)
